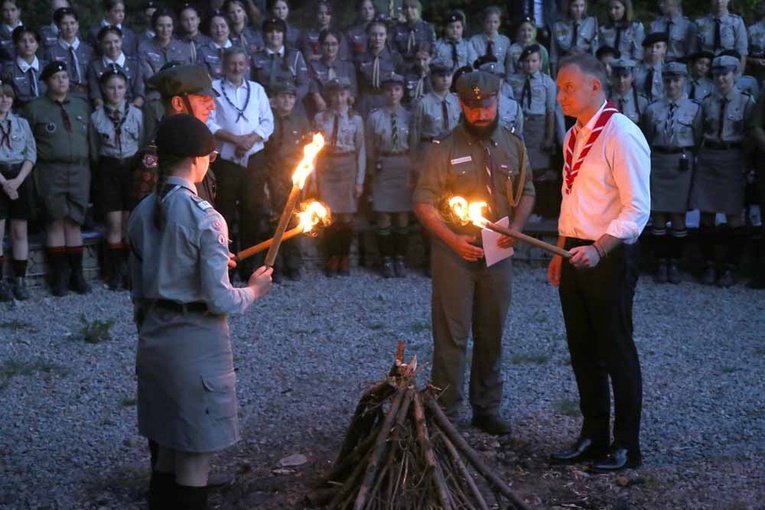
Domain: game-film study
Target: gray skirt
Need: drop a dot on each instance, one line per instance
(392, 186)
(336, 178)
(670, 186)
(534, 137)
(718, 184)
(186, 382)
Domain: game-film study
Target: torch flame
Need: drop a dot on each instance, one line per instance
(313, 214)
(471, 212)
(306, 165)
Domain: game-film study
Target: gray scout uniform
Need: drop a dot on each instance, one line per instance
(648, 81)
(249, 39)
(432, 118)
(62, 173)
(17, 144)
(699, 88)
(536, 95)
(455, 54)
(181, 289)
(25, 79)
(628, 40)
(342, 163)
(104, 136)
(673, 130)
(407, 39)
(567, 35)
(513, 65)
(321, 72)
(371, 69)
(210, 55)
(131, 67)
(756, 34)
(153, 56)
(732, 34)
(682, 35)
(77, 57)
(632, 103)
(387, 144)
(468, 296)
(498, 48)
(288, 64)
(510, 115)
(129, 38)
(718, 184)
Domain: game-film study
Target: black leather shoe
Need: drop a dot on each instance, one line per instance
(618, 459)
(673, 273)
(661, 275)
(727, 279)
(583, 450)
(491, 424)
(710, 276)
(218, 481)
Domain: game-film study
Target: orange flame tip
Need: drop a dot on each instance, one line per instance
(306, 165)
(313, 214)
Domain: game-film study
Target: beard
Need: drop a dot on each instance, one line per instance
(482, 132)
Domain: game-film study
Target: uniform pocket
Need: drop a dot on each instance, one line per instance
(220, 395)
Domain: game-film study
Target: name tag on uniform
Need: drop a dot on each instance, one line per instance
(463, 159)
(204, 205)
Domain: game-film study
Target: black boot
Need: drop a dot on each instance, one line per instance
(345, 236)
(401, 248)
(77, 281)
(114, 267)
(758, 275)
(161, 490)
(58, 271)
(190, 498)
(332, 249)
(659, 239)
(385, 246)
(708, 239)
(676, 251)
(19, 286)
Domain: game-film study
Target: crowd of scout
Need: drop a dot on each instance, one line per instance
(381, 92)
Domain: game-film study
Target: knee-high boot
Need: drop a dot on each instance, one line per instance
(401, 248)
(385, 245)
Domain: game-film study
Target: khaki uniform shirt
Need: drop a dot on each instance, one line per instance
(673, 125)
(210, 55)
(104, 139)
(17, 144)
(735, 119)
(57, 140)
(456, 165)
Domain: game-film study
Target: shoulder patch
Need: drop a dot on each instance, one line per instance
(204, 205)
(149, 160)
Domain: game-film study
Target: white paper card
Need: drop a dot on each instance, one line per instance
(491, 251)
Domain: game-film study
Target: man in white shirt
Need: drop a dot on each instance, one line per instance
(241, 123)
(605, 206)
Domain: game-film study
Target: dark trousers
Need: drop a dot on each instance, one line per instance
(597, 310)
(468, 297)
(241, 199)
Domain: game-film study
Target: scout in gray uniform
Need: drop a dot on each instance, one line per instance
(181, 296)
(49, 33)
(114, 16)
(23, 73)
(622, 32)
(280, 9)
(743, 82)
(310, 40)
(18, 153)
(340, 172)
(412, 34)
(210, 54)
(623, 94)
(376, 62)
(60, 127)
(279, 62)
(356, 35)
(189, 19)
(648, 73)
(436, 113)
(328, 67)
(11, 20)
(490, 42)
(110, 41)
(242, 35)
(672, 127)
(526, 35)
(417, 78)
(115, 135)
(575, 33)
(755, 61)
(680, 29)
(468, 295)
(164, 47)
(70, 49)
(699, 85)
(452, 48)
(284, 150)
(718, 185)
(509, 110)
(720, 30)
(387, 144)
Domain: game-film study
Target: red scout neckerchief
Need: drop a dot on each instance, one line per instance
(570, 172)
(6, 139)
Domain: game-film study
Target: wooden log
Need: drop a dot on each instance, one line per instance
(459, 442)
(362, 420)
(463, 471)
(428, 454)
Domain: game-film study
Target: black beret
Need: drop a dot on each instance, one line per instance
(478, 89)
(533, 48)
(607, 50)
(51, 69)
(151, 4)
(283, 87)
(183, 80)
(654, 38)
(59, 14)
(109, 29)
(272, 24)
(112, 70)
(335, 85)
(391, 78)
(184, 135)
(455, 16)
(438, 66)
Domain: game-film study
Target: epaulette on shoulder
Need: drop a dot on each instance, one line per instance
(512, 132)
(202, 203)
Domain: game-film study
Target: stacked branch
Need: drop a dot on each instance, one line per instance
(402, 452)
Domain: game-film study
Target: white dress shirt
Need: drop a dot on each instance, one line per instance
(257, 116)
(120, 61)
(611, 193)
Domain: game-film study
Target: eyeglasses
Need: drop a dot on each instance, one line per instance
(213, 156)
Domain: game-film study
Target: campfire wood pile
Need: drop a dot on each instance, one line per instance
(402, 452)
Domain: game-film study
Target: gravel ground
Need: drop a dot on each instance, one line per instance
(68, 435)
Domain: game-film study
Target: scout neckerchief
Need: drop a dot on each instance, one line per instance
(118, 122)
(6, 138)
(239, 111)
(571, 171)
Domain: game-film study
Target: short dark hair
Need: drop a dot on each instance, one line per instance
(160, 12)
(20, 30)
(109, 29)
(327, 32)
(61, 12)
(588, 64)
(234, 50)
